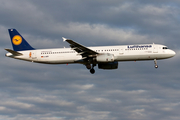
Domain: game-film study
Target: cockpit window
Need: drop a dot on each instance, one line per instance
(165, 47)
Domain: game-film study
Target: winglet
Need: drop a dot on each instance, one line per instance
(64, 39)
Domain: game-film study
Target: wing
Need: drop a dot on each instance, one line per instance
(82, 50)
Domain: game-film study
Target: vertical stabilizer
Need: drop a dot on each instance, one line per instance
(18, 42)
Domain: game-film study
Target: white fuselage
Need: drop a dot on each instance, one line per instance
(121, 53)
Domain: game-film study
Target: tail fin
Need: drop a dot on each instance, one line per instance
(18, 42)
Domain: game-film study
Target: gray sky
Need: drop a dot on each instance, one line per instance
(135, 91)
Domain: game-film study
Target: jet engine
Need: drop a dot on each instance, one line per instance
(110, 65)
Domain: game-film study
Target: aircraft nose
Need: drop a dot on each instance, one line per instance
(172, 53)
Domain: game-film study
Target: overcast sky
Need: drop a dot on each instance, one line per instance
(135, 91)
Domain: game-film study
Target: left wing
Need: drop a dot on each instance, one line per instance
(82, 50)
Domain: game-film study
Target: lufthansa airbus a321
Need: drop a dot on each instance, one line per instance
(106, 57)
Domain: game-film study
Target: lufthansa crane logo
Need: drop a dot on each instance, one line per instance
(17, 40)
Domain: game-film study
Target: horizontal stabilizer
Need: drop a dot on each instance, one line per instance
(14, 52)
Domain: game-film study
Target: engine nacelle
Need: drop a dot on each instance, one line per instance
(110, 65)
(105, 57)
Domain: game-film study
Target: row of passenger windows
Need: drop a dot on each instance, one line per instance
(107, 50)
(74, 51)
(96, 50)
(99, 50)
(137, 49)
(58, 52)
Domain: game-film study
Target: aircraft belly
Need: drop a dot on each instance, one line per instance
(140, 57)
(58, 59)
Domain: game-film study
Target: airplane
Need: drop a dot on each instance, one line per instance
(106, 57)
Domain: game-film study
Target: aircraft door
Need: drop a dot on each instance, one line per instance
(155, 48)
(32, 55)
(121, 51)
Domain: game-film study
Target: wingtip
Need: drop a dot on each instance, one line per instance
(64, 39)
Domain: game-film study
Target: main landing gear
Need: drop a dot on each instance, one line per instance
(92, 71)
(155, 63)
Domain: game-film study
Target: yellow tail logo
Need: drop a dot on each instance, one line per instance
(17, 40)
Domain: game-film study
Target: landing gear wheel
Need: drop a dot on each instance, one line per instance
(92, 71)
(156, 66)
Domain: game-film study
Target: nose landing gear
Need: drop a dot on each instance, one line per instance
(155, 63)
